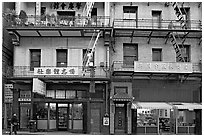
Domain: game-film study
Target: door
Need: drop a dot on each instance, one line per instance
(130, 54)
(130, 16)
(95, 120)
(120, 119)
(62, 118)
(24, 116)
(156, 19)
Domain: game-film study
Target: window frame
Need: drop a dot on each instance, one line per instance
(57, 57)
(160, 51)
(32, 61)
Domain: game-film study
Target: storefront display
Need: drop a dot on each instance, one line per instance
(147, 120)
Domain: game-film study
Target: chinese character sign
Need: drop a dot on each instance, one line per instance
(163, 67)
(56, 71)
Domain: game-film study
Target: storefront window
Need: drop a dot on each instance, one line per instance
(70, 94)
(146, 117)
(52, 111)
(50, 93)
(77, 111)
(76, 116)
(186, 118)
(42, 110)
(60, 94)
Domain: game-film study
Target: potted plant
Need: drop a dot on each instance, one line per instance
(23, 17)
(10, 16)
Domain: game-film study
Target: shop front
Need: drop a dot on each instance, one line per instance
(61, 116)
(188, 118)
(120, 106)
(62, 106)
(152, 118)
(70, 107)
(166, 118)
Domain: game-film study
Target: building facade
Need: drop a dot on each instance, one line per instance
(107, 67)
(7, 60)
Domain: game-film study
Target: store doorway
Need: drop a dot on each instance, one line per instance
(62, 117)
(70, 117)
(120, 119)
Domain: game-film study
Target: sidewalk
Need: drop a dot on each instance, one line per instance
(42, 133)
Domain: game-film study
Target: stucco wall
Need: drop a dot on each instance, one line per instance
(145, 49)
(48, 48)
(145, 10)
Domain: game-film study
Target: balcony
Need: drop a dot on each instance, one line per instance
(33, 21)
(59, 26)
(154, 29)
(151, 24)
(74, 72)
(120, 68)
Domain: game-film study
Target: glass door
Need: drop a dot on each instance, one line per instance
(62, 116)
(76, 117)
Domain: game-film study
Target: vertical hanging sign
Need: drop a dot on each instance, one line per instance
(8, 93)
(39, 86)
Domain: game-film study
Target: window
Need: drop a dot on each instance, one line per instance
(35, 58)
(185, 49)
(147, 117)
(130, 16)
(121, 90)
(156, 54)
(130, 12)
(130, 53)
(156, 19)
(42, 109)
(186, 14)
(61, 57)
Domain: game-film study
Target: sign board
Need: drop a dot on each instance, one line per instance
(105, 121)
(24, 99)
(56, 71)
(39, 86)
(8, 93)
(8, 86)
(162, 67)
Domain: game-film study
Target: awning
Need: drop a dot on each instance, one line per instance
(151, 105)
(189, 106)
(122, 97)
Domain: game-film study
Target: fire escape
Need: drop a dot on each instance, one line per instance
(175, 36)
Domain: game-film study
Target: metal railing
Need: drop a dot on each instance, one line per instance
(27, 71)
(153, 24)
(57, 21)
(129, 66)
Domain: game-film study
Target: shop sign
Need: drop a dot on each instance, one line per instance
(24, 99)
(8, 93)
(39, 86)
(8, 86)
(163, 67)
(56, 71)
(105, 121)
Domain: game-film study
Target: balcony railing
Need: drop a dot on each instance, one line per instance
(152, 24)
(57, 21)
(127, 66)
(26, 71)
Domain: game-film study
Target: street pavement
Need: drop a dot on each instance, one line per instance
(42, 133)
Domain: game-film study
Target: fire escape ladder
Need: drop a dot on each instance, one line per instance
(179, 53)
(174, 35)
(87, 10)
(179, 15)
(90, 50)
